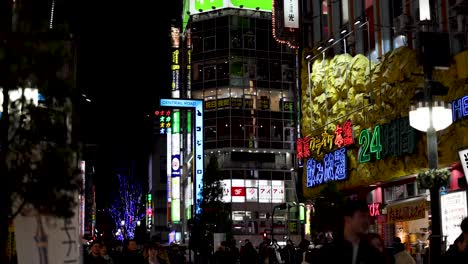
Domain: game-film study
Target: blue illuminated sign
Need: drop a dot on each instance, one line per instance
(332, 168)
(460, 108)
(198, 105)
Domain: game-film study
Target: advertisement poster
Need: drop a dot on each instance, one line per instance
(453, 210)
(48, 240)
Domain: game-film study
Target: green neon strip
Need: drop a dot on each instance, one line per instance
(175, 122)
(175, 211)
(189, 122)
(376, 145)
(364, 141)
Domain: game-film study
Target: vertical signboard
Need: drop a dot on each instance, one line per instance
(291, 13)
(454, 210)
(82, 196)
(175, 67)
(149, 211)
(198, 113)
(175, 167)
(464, 161)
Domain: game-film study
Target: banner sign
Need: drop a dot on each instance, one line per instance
(315, 146)
(406, 211)
(199, 155)
(391, 139)
(332, 168)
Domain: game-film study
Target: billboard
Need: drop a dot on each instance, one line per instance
(200, 6)
(454, 210)
(198, 113)
(262, 191)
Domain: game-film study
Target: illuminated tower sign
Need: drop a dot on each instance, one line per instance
(198, 113)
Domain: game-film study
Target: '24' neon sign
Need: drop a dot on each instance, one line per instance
(370, 144)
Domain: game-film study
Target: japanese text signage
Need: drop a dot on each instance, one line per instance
(163, 120)
(391, 139)
(291, 13)
(262, 191)
(333, 167)
(315, 146)
(406, 211)
(199, 155)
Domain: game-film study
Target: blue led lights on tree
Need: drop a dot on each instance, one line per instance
(128, 207)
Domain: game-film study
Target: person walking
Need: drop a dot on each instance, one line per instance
(352, 245)
(130, 254)
(401, 255)
(458, 252)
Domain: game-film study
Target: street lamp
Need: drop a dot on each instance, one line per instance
(430, 116)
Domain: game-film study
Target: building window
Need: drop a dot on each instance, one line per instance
(209, 43)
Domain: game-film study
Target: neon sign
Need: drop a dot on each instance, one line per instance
(460, 108)
(374, 209)
(164, 119)
(199, 155)
(369, 145)
(341, 137)
(391, 139)
(333, 167)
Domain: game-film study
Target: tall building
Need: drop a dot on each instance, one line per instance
(247, 83)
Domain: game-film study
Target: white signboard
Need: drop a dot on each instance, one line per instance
(464, 161)
(49, 240)
(263, 191)
(226, 184)
(454, 210)
(251, 194)
(291, 13)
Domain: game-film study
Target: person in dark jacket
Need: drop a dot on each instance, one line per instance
(248, 254)
(130, 254)
(352, 247)
(94, 256)
(458, 252)
(288, 253)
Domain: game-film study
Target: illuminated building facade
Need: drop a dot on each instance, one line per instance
(380, 36)
(246, 80)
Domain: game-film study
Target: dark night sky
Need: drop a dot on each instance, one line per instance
(124, 67)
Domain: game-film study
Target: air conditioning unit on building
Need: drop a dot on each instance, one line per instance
(401, 24)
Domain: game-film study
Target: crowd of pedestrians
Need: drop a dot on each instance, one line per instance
(354, 245)
(151, 253)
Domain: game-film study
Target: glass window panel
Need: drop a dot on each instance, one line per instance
(262, 40)
(209, 43)
(209, 72)
(223, 129)
(222, 38)
(236, 40)
(275, 97)
(237, 128)
(263, 69)
(197, 94)
(276, 130)
(198, 72)
(275, 71)
(222, 70)
(210, 133)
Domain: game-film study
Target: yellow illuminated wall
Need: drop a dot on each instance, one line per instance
(340, 89)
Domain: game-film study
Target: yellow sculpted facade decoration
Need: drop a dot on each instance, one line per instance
(346, 87)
